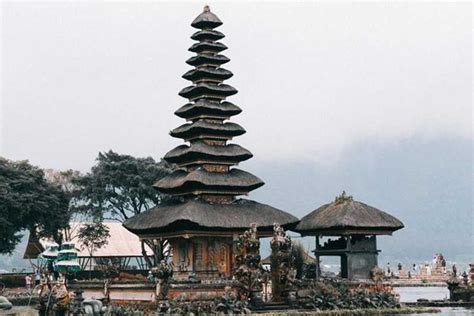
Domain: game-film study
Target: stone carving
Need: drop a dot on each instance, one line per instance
(213, 256)
(161, 275)
(377, 274)
(283, 268)
(77, 306)
(248, 269)
(343, 198)
(62, 296)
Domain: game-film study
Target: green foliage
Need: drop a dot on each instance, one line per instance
(334, 295)
(120, 186)
(227, 304)
(299, 255)
(94, 236)
(29, 201)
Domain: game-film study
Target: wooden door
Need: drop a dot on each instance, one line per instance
(224, 262)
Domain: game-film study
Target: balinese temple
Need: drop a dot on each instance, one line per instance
(351, 230)
(206, 213)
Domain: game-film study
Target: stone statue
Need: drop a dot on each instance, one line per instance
(283, 267)
(62, 296)
(162, 274)
(377, 274)
(248, 269)
(343, 198)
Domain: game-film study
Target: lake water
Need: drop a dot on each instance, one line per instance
(449, 311)
(412, 294)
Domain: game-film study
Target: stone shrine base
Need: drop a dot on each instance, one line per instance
(141, 292)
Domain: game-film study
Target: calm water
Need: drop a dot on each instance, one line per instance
(412, 294)
(449, 311)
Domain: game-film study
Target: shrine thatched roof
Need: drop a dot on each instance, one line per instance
(196, 214)
(214, 47)
(206, 20)
(345, 216)
(218, 74)
(208, 108)
(199, 180)
(200, 151)
(206, 89)
(208, 35)
(195, 129)
(201, 60)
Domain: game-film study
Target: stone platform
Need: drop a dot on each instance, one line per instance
(146, 292)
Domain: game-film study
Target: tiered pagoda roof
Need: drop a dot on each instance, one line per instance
(206, 179)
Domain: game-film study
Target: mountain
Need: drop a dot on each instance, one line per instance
(426, 183)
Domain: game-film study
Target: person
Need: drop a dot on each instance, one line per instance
(399, 267)
(28, 282)
(37, 277)
(455, 270)
(428, 269)
(443, 264)
(388, 269)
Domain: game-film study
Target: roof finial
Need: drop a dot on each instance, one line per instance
(207, 8)
(343, 198)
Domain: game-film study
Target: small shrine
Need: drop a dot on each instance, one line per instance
(205, 216)
(351, 227)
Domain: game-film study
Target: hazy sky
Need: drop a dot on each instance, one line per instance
(373, 98)
(80, 77)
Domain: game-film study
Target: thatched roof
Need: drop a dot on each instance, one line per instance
(205, 107)
(214, 47)
(207, 35)
(190, 130)
(202, 89)
(207, 73)
(201, 60)
(200, 151)
(206, 20)
(199, 180)
(346, 216)
(195, 214)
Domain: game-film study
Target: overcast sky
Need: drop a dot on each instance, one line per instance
(372, 98)
(79, 77)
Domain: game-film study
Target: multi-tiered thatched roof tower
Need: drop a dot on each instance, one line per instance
(206, 217)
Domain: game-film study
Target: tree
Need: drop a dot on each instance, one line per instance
(299, 255)
(29, 201)
(93, 236)
(119, 187)
(66, 180)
